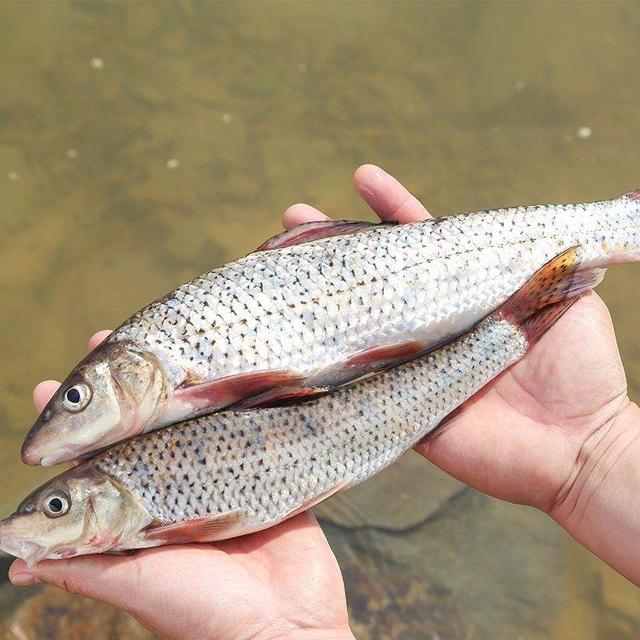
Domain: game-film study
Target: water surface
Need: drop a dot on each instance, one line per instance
(142, 144)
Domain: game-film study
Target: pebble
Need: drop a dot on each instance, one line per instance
(585, 132)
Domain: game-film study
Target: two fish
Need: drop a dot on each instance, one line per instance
(311, 311)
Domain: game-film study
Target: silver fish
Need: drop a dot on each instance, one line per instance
(233, 473)
(314, 309)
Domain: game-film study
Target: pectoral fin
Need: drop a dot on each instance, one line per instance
(206, 529)
(211, 396)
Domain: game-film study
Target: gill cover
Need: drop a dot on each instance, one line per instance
(108, 397)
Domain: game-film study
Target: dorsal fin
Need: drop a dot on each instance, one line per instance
(318, 230)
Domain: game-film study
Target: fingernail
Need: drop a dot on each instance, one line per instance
(378, 174)
(23, 579)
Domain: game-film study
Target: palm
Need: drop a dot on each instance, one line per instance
(276, 583)
(285, 582)
(537, 415)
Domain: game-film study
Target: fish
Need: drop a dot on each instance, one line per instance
(313, 309)
(232, 473)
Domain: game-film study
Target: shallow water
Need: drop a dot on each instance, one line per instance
(141, 144)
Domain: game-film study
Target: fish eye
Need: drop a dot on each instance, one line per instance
(77, 397)
(56, 504)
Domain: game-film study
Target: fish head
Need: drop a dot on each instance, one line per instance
(110, 396)
(81, 511)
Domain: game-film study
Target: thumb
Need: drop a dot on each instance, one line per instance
(103, 578)
(163, 588)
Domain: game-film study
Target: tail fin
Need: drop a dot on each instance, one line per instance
(542, 300)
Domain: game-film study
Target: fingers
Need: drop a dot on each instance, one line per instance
(99, 577)
(43, 392)
(381, 191)
(298, 213)
(98, 337)
(131, 582)
(386, 196)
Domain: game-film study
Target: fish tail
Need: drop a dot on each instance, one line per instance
(547, 295)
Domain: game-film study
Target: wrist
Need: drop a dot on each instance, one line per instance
(598, 505)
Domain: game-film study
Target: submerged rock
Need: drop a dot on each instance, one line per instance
(51, 614)
(403, 495)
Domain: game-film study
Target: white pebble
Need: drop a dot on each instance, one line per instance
(72, 154)
(173, 163)
(96, 63)
(302, 67)
(227, 118)
(519, 85)
(14, 176)
(585, 132)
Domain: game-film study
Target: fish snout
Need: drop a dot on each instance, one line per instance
(30, 456)
(29, 452)
(32, 453)
(18, 545)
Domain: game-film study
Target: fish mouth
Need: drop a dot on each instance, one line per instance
(36, 453)
(49, 461)
(26, 548)
(29, 452)
(30, 457)
(34, 458)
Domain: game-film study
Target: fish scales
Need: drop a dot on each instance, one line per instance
(267, 462)
(229, 474)
(262, 311)
(311, 317)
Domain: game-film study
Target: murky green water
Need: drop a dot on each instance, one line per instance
(143, 143)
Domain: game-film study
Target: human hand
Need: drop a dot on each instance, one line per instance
(280, 583)
(556, 431)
